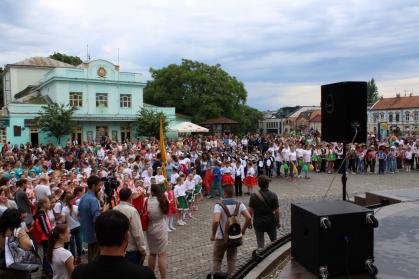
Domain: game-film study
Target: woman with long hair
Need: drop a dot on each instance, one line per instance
(61, 259)
(71, 217)
(157, 236)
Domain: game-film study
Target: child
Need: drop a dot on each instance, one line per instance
(182, 205)
(307, 159)
(190, 188)
(174, 176)
(250, 179)
(198, 188)
(172, 208)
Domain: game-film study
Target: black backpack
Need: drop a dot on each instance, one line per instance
(232, 231)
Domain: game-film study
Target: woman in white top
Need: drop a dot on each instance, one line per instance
(61, 259)
(71, 216)
(293, 161)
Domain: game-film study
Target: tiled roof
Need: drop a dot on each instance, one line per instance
(397, 103)
(317, 118)
(315, 114)
(43, 62)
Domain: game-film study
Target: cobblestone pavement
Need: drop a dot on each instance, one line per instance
(190, 250)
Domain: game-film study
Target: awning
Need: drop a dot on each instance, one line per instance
(188, 127)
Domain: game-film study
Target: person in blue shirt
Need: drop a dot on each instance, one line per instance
(89, 210)
(216, 183)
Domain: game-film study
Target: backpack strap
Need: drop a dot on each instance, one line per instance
(226, 211)
(236, 211)
(262, 198)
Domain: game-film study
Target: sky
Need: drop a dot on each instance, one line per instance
(281, 50)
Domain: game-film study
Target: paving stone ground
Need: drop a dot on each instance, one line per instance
(190, 250)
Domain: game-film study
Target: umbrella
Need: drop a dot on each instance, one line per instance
(188, 127)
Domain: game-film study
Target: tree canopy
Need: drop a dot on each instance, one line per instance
(372, 90)
(73, 60)
(201, 91)
(148, 123)
(55, 120)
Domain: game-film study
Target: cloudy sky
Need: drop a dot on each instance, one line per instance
(282, 50)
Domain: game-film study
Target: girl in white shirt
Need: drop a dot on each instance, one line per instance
(293, 161)
(61, 259)
(71, 217)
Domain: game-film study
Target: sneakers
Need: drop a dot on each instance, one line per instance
(172, 228)
(169, 230)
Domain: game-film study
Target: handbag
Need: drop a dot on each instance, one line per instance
(144, 216)
(19, 259)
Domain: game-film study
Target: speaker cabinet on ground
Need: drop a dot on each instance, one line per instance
(332, 237)
(344, 106)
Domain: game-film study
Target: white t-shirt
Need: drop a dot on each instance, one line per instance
(300, 152)
(59, 257)
(72, 219)
(286, 154)
(223, 217)
(307, 156)
(42, 191)
(293, 156)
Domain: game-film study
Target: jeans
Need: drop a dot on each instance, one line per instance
(216, 185)
(278, 168)
(238, 185)
(260, 237)
(75, 242)
(381, 166)
(46, 266)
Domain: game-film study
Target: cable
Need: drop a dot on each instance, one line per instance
(341, 165)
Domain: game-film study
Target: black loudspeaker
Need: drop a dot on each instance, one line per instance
(333, 238)
(344, 109)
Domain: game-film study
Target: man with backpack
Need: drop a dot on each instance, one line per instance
(227, 233)
(264, 207)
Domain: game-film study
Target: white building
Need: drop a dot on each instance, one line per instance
(398, 113)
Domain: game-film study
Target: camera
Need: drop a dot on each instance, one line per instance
(111, 184)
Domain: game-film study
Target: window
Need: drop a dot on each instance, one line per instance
(382, 116)
(17, 131)
(397, 117)
(101, 100)
(76, 99)
(407, 116)
(125, 101)
(375, 117)
(390, 117)
(416, 115)
(3, 138)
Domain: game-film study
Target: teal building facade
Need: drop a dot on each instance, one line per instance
(107, 100)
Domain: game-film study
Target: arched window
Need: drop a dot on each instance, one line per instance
(407, 116)
(390, 117)
(397, 117)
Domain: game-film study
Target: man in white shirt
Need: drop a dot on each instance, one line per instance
(42, 190)
(219, 221)
(238, 173)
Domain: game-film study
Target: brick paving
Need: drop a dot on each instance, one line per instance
(190, 248)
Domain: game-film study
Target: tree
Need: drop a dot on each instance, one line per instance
(195, 89)
(55, 120)
(73, 60)
(372, 92)
(248, 118)
(148, 123)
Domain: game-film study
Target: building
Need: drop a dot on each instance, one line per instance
(271, 123)
(107, 100)
(315, 122)
(394, 114)
(291, 124)
(220, 125)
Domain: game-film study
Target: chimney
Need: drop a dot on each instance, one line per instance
(398, 95)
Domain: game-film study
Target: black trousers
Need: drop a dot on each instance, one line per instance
(238, 185)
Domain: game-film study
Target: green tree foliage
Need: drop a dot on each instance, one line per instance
(249, 119)
(201, 91)
(148, 123)
(55, 120)
(1, 88)
(73, 60)
(372, 90)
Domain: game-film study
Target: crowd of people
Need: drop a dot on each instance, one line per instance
(55, 196)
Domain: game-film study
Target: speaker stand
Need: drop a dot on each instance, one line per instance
(343, 169)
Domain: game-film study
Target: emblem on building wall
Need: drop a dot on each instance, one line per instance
(101, 72)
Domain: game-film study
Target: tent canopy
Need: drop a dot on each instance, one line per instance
(188, 127)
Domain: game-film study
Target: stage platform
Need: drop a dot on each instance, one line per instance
(396, 247)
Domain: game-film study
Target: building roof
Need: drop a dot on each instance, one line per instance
(219, 120)
(297, 112)
(43, 62)
(306, 114)
(316, 115)
(316, 118)
(396, 103)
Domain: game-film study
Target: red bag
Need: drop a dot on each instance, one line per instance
(37, 232)
(144, 216)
